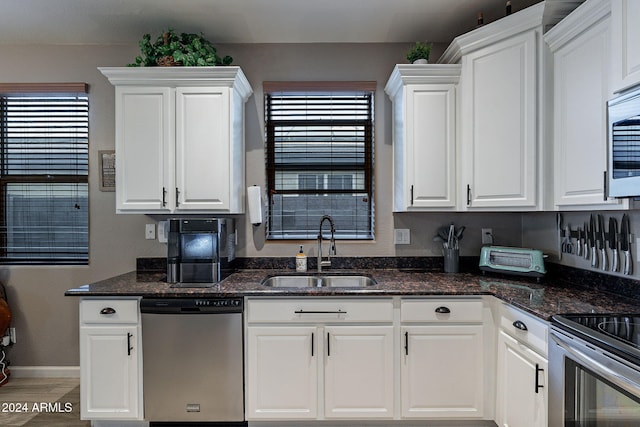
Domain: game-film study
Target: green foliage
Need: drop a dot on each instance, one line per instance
(185, 49)
(418, 51)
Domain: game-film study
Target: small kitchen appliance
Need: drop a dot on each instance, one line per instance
(623, 169)
(200, 251)
(511, 260)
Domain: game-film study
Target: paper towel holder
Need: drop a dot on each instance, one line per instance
(254, 202)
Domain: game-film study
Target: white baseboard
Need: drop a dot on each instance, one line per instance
(45, 371)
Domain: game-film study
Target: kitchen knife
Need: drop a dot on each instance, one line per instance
(592, 242)
(625, 244)
(613, 242)
(585, 237)
(600, 238)
(559, 227)
(567, 247)
(579, 242)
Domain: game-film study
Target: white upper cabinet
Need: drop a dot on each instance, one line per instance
(582, 75)
(424, 136)
(502, 94)
(179, 139)
(625, 32)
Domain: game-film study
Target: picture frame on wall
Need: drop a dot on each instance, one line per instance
(107, 159)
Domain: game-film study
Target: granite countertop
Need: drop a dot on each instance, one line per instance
(541, 299)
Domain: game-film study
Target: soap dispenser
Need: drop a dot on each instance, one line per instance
(301, 261)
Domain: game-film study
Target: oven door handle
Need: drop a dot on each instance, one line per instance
(597, 366)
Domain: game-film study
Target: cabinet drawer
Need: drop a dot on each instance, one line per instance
(525, 328)
(323, 310)
(108, 311)
(441, 310)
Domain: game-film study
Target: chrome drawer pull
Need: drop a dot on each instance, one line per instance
(443, 310)
(108, 311)
(320, 312)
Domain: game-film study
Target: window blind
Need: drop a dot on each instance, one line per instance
(44, 165)
(319, 160)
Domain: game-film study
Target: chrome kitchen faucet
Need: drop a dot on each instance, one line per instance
(332, 244)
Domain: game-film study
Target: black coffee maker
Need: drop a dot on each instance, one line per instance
(200, 250)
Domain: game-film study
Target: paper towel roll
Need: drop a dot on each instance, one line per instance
(255, 204)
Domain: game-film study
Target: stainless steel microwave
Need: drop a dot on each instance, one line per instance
(623, 168)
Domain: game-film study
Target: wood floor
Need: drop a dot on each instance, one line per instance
(41, 402)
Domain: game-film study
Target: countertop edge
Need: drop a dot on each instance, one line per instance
(542, 300)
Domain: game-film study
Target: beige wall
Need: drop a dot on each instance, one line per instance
(348, 62)
(47, 322)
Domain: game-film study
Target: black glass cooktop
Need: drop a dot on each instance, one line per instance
(618, 333)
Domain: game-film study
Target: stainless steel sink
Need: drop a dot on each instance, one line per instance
(292, 281)
(355, 281)
(319, 281)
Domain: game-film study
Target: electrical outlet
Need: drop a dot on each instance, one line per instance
(163, 231)
(150, 231)
(12, 334)
(487, 236)
(402, 236)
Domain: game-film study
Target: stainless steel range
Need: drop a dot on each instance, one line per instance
(594, 370)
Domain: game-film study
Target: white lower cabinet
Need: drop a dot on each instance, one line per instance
(465, 360)
(443, 364)
(110, 360)
(358, 377)
(319, 358)
(442, 372)
(282, 375)
(521, 370)
(522, 396)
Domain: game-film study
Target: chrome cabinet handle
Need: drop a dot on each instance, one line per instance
(518, 324)
(108, 311)
(443, 310)
(164, 197)
(338, 311)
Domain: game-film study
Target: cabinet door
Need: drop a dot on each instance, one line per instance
(499, 124)
(442, 371)
(110, 373)
(203, 148)
(282, 372)
(359, 372)
(581, 89)
(521, 387)
(144, 147)
(625, 16)
(430, 146)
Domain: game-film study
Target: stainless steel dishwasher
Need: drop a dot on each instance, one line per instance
(192, 360)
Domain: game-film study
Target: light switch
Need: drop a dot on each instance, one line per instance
(402, 236)
(150, 231)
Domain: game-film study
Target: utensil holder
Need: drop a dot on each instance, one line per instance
(451, 260)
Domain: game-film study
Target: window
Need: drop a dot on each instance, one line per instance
(319, 158)
(44, 163)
